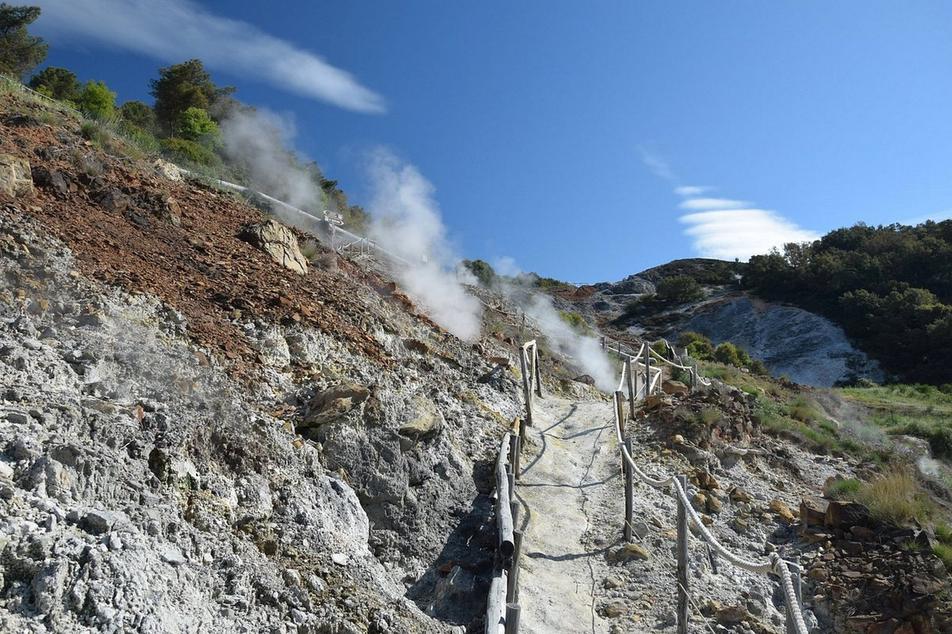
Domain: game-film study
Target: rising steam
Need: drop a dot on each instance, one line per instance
(586, 351)
(407, 222)
(257, 140)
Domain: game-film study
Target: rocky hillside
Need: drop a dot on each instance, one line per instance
(203, 428)
(792, 342)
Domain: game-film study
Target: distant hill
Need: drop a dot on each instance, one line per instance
(889, 287)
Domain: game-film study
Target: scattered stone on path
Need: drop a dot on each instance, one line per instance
(630, 552)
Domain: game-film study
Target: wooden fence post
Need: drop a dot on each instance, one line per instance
(629, 492)
(512, 618)
(682, 559)
(538, 370)
(514, 452)
(512, 588)
(647, 370)
(631, 387)
(526, 385)
(620, 410)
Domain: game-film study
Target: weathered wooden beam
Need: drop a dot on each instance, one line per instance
(514, 449)
(682, 559)
(538, 370)
(503, 511)
(629, 493)
(512, 618)
(496, 603)
(632, 395)
(620, 410)
(647, 364)
(526, 385)
(512, 589)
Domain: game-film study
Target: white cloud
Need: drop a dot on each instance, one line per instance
(699, 204)
(175, 30)
(686, 191)
(658, 166)
(741, 233)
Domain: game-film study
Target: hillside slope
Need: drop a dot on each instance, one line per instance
(805, 347)
(196, 436)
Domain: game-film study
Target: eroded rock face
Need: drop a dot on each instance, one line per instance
(15, 177)
(792, 342)
(277, 241)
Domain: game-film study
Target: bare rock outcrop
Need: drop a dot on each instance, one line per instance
(277, 241)
(15, 177)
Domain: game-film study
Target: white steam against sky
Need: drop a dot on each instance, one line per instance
(407, 222)
(258, 140)
(585, 350)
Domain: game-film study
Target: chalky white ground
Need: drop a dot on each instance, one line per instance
(564, 468)
(571, 498)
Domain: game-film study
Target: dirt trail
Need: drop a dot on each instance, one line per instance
(566, 467)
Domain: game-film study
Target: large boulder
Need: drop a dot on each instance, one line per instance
(168, 170)
(15, 178)
(424, 420)
(277, 241)
(333, 404)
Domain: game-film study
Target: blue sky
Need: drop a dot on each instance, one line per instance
(587, 141)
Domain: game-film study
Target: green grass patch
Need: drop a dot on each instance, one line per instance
(896, 497)
(944, 552)
(575, 321)
(923, 411)
(708, 415)
(846, 489)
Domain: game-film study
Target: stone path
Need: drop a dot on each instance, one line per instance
(566, 465)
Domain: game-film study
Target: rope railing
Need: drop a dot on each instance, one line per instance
(790, 581)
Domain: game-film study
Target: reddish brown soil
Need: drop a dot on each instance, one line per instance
(201, 268)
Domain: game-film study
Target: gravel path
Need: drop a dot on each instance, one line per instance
(565, 467)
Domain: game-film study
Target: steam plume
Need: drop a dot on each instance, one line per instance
(407, 222)
(539, 307)
(258, 141)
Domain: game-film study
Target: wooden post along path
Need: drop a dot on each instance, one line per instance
(682, 559)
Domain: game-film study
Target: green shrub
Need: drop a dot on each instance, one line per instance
(482, 270)
(701, 350)
(95, 132)
(96, 100)
(189, 151)
(678, 289)
(944, 553)
(576, 321)
(56, 83)
(729, 354)
(708, 415)
(846, 489)
(943, 532)
(195, 124)
(939, 436)
(139, 115)
(310, 249)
